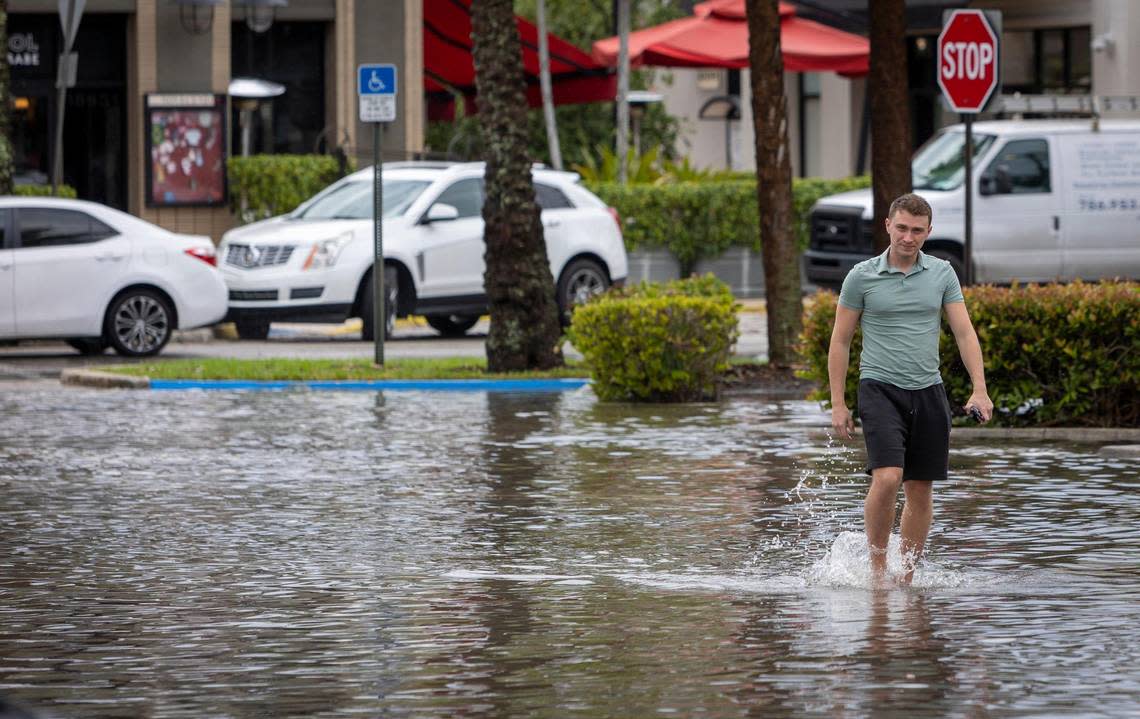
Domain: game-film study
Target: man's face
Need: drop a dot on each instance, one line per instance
(907, 233)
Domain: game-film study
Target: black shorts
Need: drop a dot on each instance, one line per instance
(908, 428)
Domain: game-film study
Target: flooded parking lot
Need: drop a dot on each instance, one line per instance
(190, 554)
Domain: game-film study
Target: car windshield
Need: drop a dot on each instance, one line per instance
(938, 164)
(353, 200)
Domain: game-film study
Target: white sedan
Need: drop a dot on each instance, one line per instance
(97, 277)
(315, 264)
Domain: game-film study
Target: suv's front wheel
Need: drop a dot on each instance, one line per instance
(582, 279)
(368, 311)
(452, 325)
(252, 329)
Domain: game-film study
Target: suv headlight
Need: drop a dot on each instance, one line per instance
(325, 252)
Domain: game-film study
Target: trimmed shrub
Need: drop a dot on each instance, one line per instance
(1054, 354)
(700, 220)
(263, 186)
(658, 343)
(43, 191)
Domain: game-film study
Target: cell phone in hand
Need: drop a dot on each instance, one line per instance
(977, 415)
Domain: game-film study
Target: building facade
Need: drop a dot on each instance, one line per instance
(150, 122)
(1048, 47)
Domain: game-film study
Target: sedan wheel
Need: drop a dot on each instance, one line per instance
(139, 323)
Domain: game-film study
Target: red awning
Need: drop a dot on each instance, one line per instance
(717, 36)
(448, 66)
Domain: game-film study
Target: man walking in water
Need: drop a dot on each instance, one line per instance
(900, 296)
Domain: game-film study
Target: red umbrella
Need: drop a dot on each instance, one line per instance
(717, 36)
(448, 66)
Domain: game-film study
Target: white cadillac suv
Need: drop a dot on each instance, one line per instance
(315, 264)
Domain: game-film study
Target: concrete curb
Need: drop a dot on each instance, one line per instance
(102, 380)
(1130, 451)
(109, 380)
(1089, 435)
(1065, 434)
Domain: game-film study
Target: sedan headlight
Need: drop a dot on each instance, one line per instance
(325, 252)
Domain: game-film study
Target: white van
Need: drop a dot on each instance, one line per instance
(1053, 200)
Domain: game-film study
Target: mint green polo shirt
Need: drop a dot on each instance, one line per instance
(902, 317)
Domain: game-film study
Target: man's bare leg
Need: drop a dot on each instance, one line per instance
(916, 517)
(879, 517)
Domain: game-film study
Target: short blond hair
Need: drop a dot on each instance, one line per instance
(914, 204)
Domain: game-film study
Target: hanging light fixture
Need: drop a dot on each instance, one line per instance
(196, 16)
(259, 14)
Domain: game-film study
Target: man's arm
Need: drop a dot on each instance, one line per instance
(838, 357)
(971, 351)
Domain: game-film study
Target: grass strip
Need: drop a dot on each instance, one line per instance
(333, 369)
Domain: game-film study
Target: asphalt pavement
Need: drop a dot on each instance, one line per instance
(412, 338)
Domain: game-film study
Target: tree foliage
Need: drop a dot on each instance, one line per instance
(581, 128)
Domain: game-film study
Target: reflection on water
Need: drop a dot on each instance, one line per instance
(212, 554)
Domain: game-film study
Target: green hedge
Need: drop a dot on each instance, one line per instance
(1054, 354)
(43, 191)
(658, 343)
(699, 220)
(266, 185)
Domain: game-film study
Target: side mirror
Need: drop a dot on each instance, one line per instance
(996, 182)
(439, 212)
(1002, 180)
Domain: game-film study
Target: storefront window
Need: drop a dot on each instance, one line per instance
(1053, 60)
(1057, 60)
(94, 141)
(292, 54)
(1017, 59)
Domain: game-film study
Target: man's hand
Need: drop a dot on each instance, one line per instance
(842, 422)
(982, 401)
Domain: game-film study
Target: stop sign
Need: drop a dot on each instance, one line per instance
(967, 60)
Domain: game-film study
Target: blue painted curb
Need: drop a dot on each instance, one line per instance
(429, 385)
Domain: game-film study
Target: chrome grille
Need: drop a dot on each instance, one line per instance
(253, 256)
(839, 231)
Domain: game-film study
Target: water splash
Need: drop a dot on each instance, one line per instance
(848, 564)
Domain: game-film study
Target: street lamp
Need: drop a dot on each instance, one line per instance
(727, 108)
(638, 101)
(196, 16)
(259, 14)
(249, 93)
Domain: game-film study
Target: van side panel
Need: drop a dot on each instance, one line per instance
(1101, 220)
(1016, 235)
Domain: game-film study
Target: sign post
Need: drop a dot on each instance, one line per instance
(70, 13)
(376, 89)
(969, 75)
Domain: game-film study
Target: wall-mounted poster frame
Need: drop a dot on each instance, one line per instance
(185, 150)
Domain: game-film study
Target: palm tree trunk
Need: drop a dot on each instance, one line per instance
(525, 332)
(774, 182)
(890, 112)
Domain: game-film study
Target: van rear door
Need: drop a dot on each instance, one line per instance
(1016, 220)
(1102, 205)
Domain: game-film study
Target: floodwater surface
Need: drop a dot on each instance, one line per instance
(228, 554)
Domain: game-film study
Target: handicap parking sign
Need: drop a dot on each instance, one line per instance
(376, 90)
